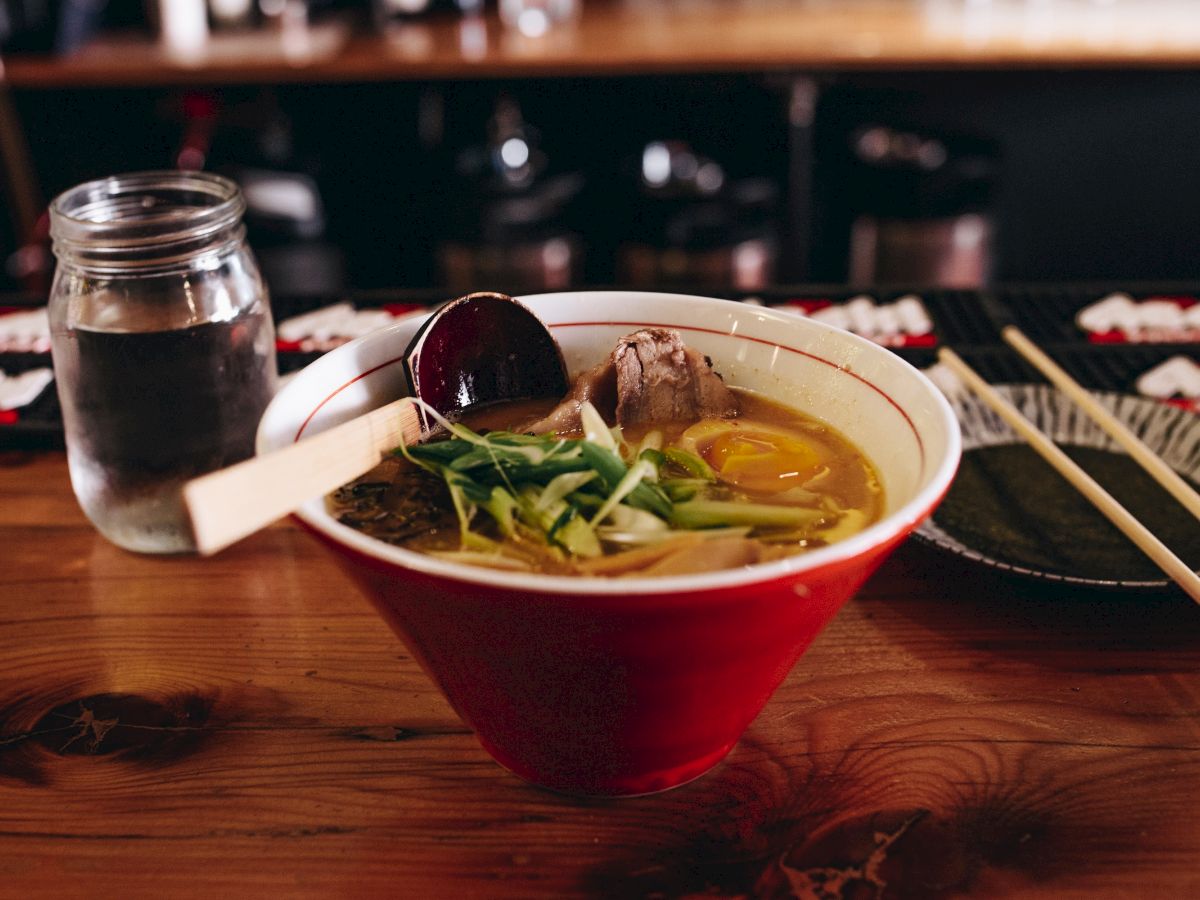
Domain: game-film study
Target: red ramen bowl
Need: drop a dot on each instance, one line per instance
(633, 685)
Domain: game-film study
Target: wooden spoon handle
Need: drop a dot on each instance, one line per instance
(227, 505)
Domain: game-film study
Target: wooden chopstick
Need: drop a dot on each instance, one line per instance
(1171, 480)
(229, 504)
(1175, 567)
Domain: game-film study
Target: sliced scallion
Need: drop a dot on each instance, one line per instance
(716, 513)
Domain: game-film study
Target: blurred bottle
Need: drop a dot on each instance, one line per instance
(693, 226)
(285, 216)
(390, 14)
(922, 209)
(183, 27)
(232, 14)
(512, 231)
(537, 18)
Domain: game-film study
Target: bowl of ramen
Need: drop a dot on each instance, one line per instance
(608, 587)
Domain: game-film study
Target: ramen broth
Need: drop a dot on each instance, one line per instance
(770, 455)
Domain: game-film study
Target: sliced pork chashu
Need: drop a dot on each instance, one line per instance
(651, 376)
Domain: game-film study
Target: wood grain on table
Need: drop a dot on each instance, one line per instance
(179, 727)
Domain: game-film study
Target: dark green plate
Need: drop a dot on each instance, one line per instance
(1010, 510)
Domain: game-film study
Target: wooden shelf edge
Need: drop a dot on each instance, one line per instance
(610, 39)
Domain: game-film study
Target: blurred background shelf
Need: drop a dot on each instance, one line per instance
(944, 142)
(613, 38)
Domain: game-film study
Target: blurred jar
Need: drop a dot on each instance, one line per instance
(703, 249)
(923, 209)
(514, 227)
(163, 346)
(389, 13)
(535, 18)
(947, 252)
(548, 262)
(694, 227)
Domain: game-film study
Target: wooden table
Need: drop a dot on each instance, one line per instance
(246, 726)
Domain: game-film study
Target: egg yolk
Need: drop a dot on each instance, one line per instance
(763, 461)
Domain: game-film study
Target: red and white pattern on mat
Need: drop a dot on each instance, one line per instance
(1120, 319)
(330, 326)
(24, 330)
(19, 390)
(1175, 380)
(904, 322)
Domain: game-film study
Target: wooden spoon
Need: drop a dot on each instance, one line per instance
(477, 350)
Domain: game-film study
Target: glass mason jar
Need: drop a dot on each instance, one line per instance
(163, 346)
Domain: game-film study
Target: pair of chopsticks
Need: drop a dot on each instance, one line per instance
(1084, 483)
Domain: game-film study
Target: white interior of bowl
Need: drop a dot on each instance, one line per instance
(884, 406)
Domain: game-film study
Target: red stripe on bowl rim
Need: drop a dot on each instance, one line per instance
(693, 328)
(709, 587)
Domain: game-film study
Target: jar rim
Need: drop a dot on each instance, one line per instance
(138, 209)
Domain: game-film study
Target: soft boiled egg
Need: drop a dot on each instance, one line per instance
(752, 456)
